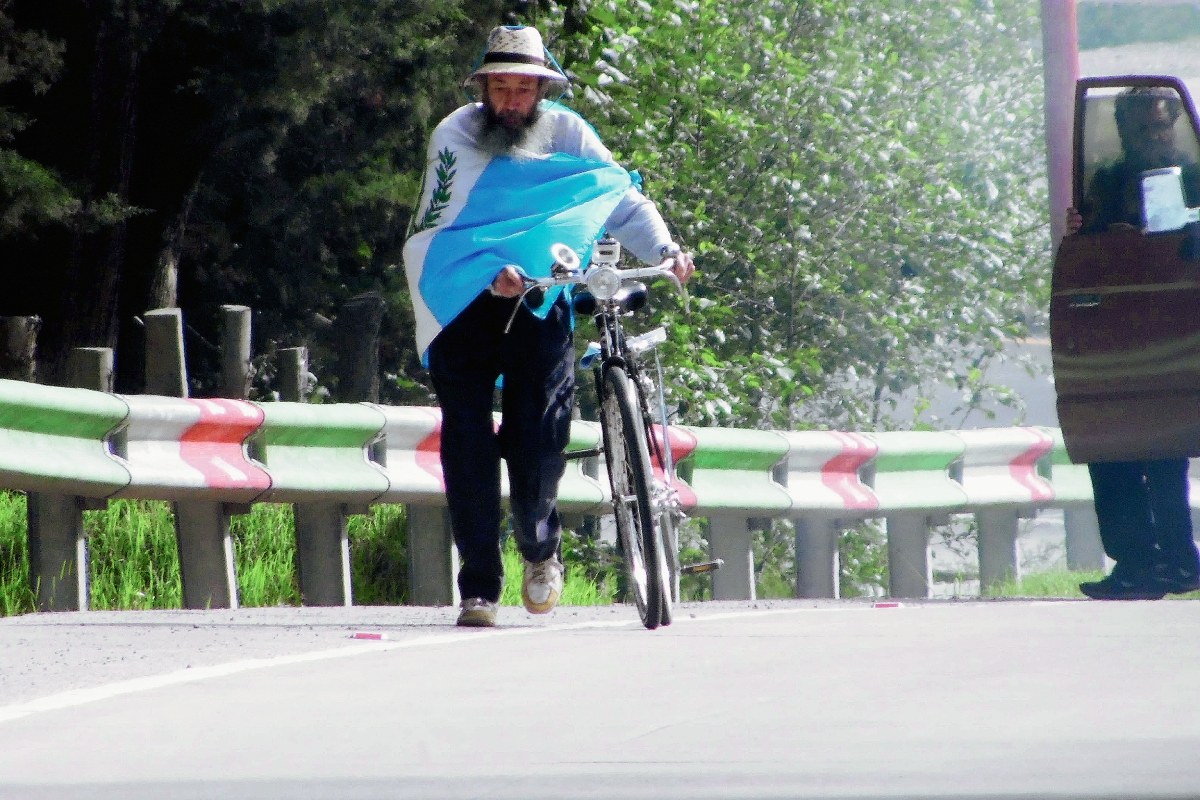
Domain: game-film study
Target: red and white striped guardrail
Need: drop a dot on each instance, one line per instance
(178, 449)
(413, 465)
(824, 473)
(196, 450)
(999, 466)
(683, 444)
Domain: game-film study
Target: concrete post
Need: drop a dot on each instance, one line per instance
(1085, 551)
(999, 560)
(166, 374)
(432, 558)
(235, 352)
(293, 374)
(910, 573)
(206, 564)
(323, 554)
(729, 539)
(90, 368)
(817, 566)
(58, 570)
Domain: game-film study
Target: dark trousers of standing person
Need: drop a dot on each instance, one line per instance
(1142, 507)
(536, 358)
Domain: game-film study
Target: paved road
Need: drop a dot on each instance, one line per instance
(774, 699)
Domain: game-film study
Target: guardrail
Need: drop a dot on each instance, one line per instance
(73, 449)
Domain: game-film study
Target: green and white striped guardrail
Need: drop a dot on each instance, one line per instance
(213, 457)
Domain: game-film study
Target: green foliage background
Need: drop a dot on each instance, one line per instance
(863, 184)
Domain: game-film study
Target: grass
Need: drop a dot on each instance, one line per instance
(1057, 584)
(15, 594)
(133, 562)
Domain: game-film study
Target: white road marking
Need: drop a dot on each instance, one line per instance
(78, 697)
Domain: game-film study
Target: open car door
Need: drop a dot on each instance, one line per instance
(1125, 298)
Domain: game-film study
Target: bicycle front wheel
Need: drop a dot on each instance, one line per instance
(628, 458)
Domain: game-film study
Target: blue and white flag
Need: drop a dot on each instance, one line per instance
(481, 212)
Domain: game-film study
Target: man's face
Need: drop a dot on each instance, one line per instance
(512, 99)
(1152, 135)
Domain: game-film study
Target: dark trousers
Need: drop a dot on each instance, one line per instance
(1143, 511)
(536, 358)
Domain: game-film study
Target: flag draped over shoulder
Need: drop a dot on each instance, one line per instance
(481, 213)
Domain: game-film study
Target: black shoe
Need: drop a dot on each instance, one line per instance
(1124, 585)
(1176, 580)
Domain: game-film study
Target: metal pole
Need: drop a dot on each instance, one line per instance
(1060, 53)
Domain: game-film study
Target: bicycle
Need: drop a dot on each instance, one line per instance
(646, 509)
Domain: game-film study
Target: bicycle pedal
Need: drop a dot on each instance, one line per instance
(592, 452)
(702, 567)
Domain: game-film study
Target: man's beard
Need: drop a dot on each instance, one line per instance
(501, 133)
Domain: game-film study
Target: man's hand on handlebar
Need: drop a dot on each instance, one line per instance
(509, 283)
(680, 264)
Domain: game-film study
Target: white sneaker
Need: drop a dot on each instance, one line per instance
(477, 613)
(541, 585)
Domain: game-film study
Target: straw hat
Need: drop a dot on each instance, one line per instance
(515, 50)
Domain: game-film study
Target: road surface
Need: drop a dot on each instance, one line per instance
(770, 699)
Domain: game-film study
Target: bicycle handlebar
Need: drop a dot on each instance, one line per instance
(604, 280)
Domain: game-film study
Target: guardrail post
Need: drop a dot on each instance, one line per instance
(90, 368)
(235, 352)
(293, 374)
(206, 566)
(816, 557)
(999, 560)
(432, 558)
(729, 539)
(166, 373)
(322, 546)
(58, 566)
(57, 551)
(1085, 551)
(910, 573)
(323, 554)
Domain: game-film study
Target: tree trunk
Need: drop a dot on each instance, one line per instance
(93, 278)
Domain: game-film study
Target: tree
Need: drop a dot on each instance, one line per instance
(30, 194)
(863, 185)
(263, 153)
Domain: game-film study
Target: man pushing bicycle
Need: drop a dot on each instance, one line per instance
(508, 177)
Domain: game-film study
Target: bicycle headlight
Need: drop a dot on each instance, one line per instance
(603, 282)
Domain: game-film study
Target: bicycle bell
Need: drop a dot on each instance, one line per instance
(566, 260)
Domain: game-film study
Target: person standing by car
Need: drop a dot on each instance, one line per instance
(1142, 506)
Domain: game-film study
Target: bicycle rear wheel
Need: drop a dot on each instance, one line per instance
(628, 459)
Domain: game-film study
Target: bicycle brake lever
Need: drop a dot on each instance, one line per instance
(687, 309)
(537, 296)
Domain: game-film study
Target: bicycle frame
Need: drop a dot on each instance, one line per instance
(646, 507)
